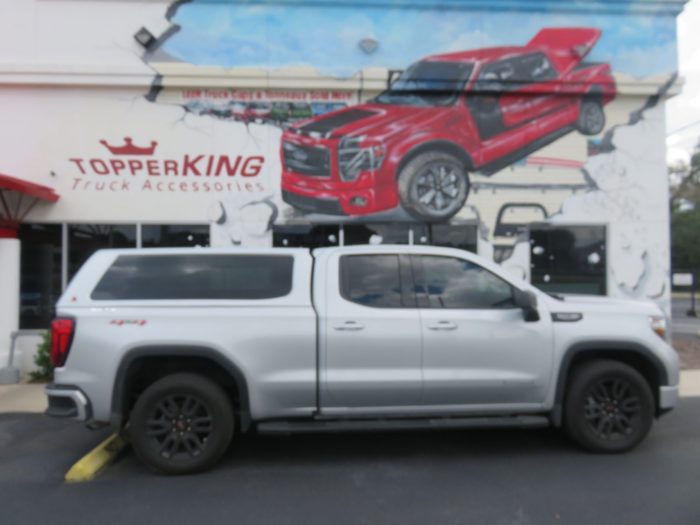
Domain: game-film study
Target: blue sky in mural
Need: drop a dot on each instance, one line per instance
(326, 37)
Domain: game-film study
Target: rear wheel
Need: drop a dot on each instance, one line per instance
(609, 407)
(591, 117)
(433, 186)
(182, 423)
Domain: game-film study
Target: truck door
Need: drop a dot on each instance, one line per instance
(478, 350)
(370, 335)
(499, 110)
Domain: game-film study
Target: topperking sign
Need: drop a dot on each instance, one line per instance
(129, 167)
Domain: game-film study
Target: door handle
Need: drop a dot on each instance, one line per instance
(443, 325)
(349, 326)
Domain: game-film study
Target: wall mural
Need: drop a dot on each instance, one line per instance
(511, 130)
(445, 116)
(276, 112)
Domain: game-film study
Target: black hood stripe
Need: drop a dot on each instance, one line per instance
(325, 125)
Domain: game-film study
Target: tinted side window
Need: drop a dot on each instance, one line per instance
(536, 68)
(498, 76)
(196, 277)
(454, 283)
(371, 280)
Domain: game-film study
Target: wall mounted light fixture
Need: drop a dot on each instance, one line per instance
(144, 37)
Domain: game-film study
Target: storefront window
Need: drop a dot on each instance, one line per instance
(569, 259)
(396, 233)
(86, 239)
(421, 233)
(305, 235)
(462, 236)
(174, 235)
(40, 273)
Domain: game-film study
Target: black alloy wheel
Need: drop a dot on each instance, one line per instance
(612, 407)
(609, 407)
(182, 423)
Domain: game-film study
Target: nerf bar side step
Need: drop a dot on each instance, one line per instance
(385, 425)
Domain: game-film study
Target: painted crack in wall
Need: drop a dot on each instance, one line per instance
(235, 220)
(631, 197)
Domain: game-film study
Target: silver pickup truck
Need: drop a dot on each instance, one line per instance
(182, 349)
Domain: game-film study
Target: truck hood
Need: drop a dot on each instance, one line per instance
(588, 303)
(379, 121)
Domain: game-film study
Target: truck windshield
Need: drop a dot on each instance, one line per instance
(428, 84)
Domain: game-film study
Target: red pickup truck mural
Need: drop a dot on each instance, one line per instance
(444, 117)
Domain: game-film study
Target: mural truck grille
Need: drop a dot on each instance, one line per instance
(307, 160)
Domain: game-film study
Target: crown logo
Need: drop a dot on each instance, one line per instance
(129, 149)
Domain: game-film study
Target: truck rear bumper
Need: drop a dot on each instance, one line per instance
(67, 402)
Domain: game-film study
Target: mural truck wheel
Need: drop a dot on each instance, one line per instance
(591, 117)
(433, 186)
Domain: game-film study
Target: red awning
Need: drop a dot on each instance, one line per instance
(17, 198)
(30, 189)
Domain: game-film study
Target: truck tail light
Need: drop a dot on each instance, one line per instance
(62, 330)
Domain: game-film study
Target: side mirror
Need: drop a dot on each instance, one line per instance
(527, 301)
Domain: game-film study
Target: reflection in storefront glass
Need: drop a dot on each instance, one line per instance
(569, 259)
(40, 273)
(86, 239)
(174, 235)
(376, 233)
(305, 235)
(461, 236)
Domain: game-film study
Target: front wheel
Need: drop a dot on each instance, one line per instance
(182, 423)
(609, 407)
(433, 186)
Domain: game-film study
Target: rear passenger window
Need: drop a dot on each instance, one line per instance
(371, 280)
(196, 277)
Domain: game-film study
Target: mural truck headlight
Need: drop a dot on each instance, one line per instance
(355, 155)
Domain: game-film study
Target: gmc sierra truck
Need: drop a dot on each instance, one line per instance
(182, 349)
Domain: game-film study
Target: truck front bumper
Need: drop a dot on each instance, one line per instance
(668, 397)
(334, 198)
(67, 402)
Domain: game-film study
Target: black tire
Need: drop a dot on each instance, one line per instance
(591, 117)
(609, 407)
(433, 186)
(181, 424)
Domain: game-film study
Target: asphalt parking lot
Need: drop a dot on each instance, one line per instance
(485, 477)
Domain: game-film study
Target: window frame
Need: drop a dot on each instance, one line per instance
(423, 298)
(406, 282)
